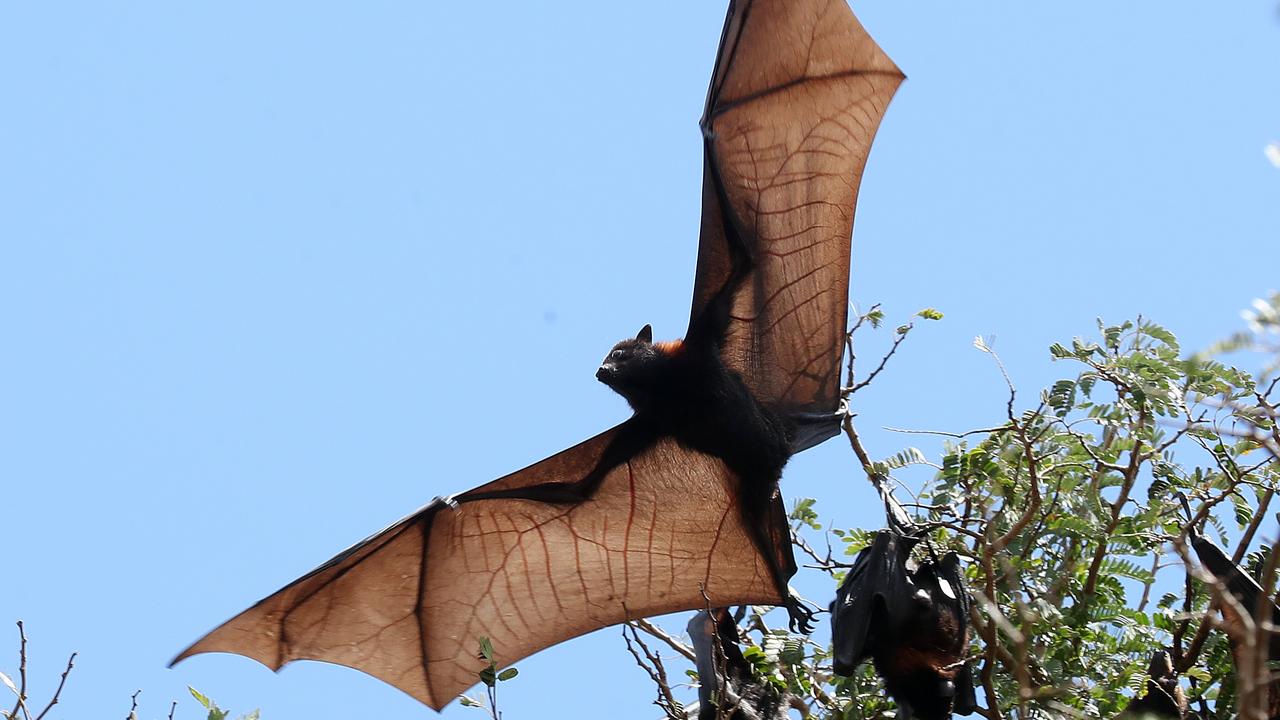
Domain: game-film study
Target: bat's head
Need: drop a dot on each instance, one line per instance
(925, 695)
(1161, 665)
(632, 368)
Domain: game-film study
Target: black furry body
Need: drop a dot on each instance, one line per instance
(1164, 697)
(911, 621)
(684, 391)
(727, 686)
(687, 393)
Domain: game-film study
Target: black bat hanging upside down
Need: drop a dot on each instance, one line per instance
(682, 498)
(1163, 698)
(1250, 597)
(910, 619)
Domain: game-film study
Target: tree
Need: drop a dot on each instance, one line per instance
(1069, 513)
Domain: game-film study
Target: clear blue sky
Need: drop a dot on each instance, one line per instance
(273, 275)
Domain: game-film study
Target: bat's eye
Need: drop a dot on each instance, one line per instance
(615, 355)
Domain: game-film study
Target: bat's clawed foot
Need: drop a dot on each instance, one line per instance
(801, 615)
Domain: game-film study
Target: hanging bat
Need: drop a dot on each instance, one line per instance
(727, 686)
(1164, 697)
(1238, 582)
(682, 498)
(910, 619)
(1250, 596)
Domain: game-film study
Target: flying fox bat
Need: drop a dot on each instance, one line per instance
(682, 498)
(911, 619)
(1164, 698)
(1238, 582)
(1251, 597)
(727, 686)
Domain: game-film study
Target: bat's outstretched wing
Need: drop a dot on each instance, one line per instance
(629, 524)
(798, 91)
(518, 561)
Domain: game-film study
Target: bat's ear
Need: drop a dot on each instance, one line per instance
(645, 334)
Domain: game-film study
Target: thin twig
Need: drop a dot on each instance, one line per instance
(848, 339)
(1033, 506)
(1247, 536)
(957, 436)
(665, 637)
(71, 662)
(22, 675)
(1136, 458)
(655, 670)
(825, 564)
(1146, 587)
(846, 392)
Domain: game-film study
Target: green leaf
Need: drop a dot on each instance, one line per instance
(200, 698)
(1062, 397)
(802, 512)
(465, 701)
(1243, 511)
(792, 651)
(1155, 331)
(486, 649)
(908, 456)
(250, 716)
(508, 673)
(929, 314)
(1126, 569)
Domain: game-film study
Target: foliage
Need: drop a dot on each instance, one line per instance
(490, 676)
(1068, 514)
(215, 712)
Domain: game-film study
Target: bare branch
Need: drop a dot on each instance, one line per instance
(957, 436)
(665, 637)
(133, 707)
(846, 392)
(653, 667)
(21, 704)
(71, 662)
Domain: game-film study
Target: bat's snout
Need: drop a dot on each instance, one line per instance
(606, 372)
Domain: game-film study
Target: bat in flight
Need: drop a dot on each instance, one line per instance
(910, 619)
(682, 498)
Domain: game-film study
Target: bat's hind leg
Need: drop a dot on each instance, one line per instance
(766, 522)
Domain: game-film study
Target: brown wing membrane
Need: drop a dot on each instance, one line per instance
(409, 605)
(797, 94)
